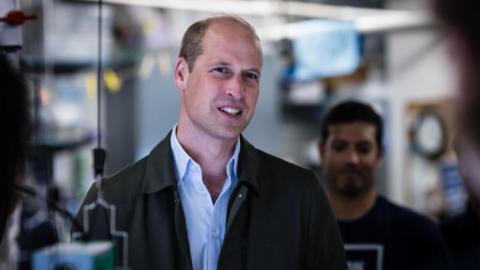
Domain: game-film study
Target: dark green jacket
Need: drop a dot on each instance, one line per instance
(278, 216)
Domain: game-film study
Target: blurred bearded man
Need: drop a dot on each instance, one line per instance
(377, 234)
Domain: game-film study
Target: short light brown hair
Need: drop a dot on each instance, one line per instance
(192, 41)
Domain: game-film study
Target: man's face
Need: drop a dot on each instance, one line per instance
(467, 84)
(219, 95)
(350, 158)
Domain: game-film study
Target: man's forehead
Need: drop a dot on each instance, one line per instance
(221, 44)
(360, 130)
(232, 25)
(232, 30)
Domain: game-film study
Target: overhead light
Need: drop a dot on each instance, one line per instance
(366, 20)
(261, 8)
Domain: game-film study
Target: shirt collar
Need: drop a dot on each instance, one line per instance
(183, 160)
(160, 167)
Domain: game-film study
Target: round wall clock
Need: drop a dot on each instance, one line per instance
(429, 135)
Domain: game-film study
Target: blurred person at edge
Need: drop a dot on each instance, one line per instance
(14, 121)
(460, 21)
(461, 26)
(377, 233)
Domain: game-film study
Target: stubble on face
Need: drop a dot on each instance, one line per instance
(350, 181)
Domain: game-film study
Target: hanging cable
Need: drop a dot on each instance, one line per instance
(98, 163)
(99, 153)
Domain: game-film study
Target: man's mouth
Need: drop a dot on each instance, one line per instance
(230, 111)
(351, 172)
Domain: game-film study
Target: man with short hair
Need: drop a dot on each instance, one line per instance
(377, 234)
(205, 198)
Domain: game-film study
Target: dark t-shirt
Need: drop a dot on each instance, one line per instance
(391, 237)
(462, 234)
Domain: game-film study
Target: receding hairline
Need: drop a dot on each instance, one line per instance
(231, 19)
(234, 20)
(193, 39)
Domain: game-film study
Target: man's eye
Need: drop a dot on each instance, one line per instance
(251, 76)
(221, 70)
(364, 149)
(338, 147)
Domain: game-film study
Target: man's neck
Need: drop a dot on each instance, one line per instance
(211, 154)
(347, 208)
(206, 150)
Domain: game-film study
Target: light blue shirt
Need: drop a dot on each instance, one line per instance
(205, 220)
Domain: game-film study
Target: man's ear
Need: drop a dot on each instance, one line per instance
(181, 74)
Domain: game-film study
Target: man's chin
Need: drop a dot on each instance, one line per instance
(228, 133)
(352, 187)
(351, 193)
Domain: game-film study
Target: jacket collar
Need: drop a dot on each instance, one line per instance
(160, 171)
(249, 165)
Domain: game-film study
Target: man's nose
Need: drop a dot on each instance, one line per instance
(235, 87)
(353, 157)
